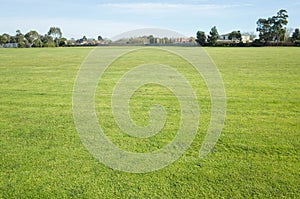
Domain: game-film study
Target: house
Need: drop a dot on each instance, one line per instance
(225, 39)
(246, 39)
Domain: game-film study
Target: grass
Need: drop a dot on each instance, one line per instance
(257, 155)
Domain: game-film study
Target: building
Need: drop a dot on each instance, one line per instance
(225, 39)
(10, 45)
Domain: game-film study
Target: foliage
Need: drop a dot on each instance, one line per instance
(296, 35)
(33, 38)
(56, 33)
(273, 28)
(100, 38)
(201, 38)
(235, 35)
(213, 36)
(47, 41)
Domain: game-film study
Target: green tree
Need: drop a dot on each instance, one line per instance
(5, 38)
(201, 38)
(33, 38)
(20, 39)
(235, 35)
(47, 41)
(213, 36)
(264, 29)
(100, 38)
(273, 28)
(63, 42)
(278, 25)
(296, 35)
(56, 34)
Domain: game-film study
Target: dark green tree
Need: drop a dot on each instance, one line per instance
(279, 23)
(213, 36)
(201, 38)
(63, 42)
(273, 28)
(235, 35)
(151, 39)
(47, 41)
(100, 38)
(264, 29)
(296, 35)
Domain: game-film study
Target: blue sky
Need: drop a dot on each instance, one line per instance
(109, 18)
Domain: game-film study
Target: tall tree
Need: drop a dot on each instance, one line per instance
(56, 34)
(296, 35)
(279, 22)
(213, 36)
(201, 38)
(20, 39)
(273, 28)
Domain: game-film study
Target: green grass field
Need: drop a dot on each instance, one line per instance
(257, 155)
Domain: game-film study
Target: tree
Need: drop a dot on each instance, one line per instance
(235, 35)
(5, 38)
(213, 36)
(20, 39)
(264, 29)
(47, 41)
(63, 42)
(33, 38)
(279, 22)
(151, 39)
(201, 38)
(56, 34)
(100, 38)
(296, 35)
(273, 28)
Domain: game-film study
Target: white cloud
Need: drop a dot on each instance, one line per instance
(145, 8)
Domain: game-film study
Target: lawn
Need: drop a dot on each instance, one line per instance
(257, 155)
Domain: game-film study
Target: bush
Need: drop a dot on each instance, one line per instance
(48, 45)
(257, 43)
(297, 43)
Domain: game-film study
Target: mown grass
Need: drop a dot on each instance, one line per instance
(257, 155)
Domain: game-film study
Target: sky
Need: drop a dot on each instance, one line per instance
(90, 18)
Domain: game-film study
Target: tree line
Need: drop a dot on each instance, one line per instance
(33, 39)
(271, 31)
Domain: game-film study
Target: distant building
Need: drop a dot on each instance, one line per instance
(10, 45)
(246, 39)
(225, 39)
